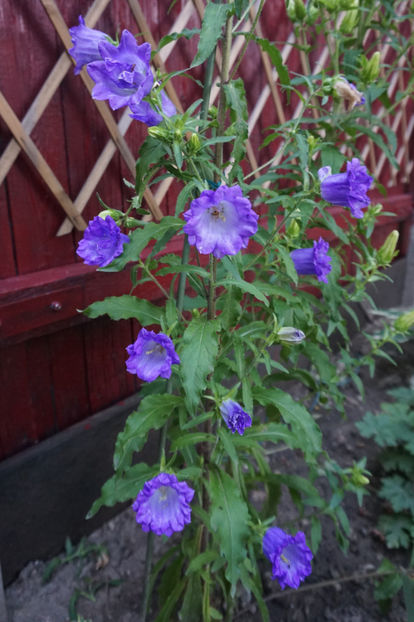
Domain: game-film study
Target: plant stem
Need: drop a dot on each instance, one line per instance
(224, 78)
(211, 311)
(246, 43)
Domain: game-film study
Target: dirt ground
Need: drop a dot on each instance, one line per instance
(106, 586)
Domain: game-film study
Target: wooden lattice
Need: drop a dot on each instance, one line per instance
(73, 208)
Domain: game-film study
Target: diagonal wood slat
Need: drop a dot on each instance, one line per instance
(46, 93)
(43, 168)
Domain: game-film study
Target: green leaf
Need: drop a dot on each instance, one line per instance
(288, 263)
(397, 529)
(229, 518)
(191, 610)
(122, 487)
(187, 33)
(316, 533)
(152, 413)
(399, 492)
(237, 102)
(246, 287)
(139, 240)
(201, 560)
(152, 151)
(408, 591)
(300, 420)
(240, 6)
(125, 308)
(192, 438)
(276, 58)
(331, 156)
(215, 16)
(197, 354)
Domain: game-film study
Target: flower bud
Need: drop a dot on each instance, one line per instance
(403, 323)
(296, 10)
(387, 251)
(359, 479)
(158, 132)
(289, 334)
(370, 68)
(194, 143)
(293, 229)
(113, 213)
(349, 22)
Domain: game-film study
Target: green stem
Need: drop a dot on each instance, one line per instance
(246, 43)
(211, 311)
(224, 78)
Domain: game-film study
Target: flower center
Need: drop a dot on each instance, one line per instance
(217, 211)
(158, 348)
(162, 493)
(285, 559)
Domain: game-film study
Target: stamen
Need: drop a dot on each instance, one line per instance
(285, 559)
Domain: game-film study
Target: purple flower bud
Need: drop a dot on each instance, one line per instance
(291, 334)
(85, 44)
(313, 260)
(347, 189)
(151, 356)
(220, 221)
(102, 242)
(289, 555)
(163, 505)
(145, 112)
(124, 76)
(235, 417)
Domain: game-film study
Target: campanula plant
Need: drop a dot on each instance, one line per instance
(237, 317)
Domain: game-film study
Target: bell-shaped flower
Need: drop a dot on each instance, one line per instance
(313, 260)
(347, 189)
(145, 113)
(102, 242)
(123, 76)
(236, 419)
(163, 505)
(85, 44)
(289, 555)
(220, 221)
(151, 356)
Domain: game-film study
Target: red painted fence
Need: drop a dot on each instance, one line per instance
(57, 367)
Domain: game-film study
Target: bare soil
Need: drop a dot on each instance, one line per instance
(106, 587)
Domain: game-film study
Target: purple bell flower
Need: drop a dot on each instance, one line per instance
(220, 221)
(289, 555)
(151, 356)
(313, 260)
(85, 44)
(123, 76)
(102, 242)
(235, 417)
(145, 112)
(163, 505)
(347, 189)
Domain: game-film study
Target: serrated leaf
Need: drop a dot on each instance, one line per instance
(139, 240)
(152, 413)
(215, 16)
(396, 529)
(122, 487)
(399, 492)
(229, 518)
(245, 287)
(301, 422)
(125, 308)
(197, 355)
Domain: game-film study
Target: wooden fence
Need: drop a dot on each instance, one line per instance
(60, 147)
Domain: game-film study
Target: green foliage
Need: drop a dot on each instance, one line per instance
(224, 318)
(393, 430)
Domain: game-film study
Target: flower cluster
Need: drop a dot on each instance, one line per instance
(121, 73)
